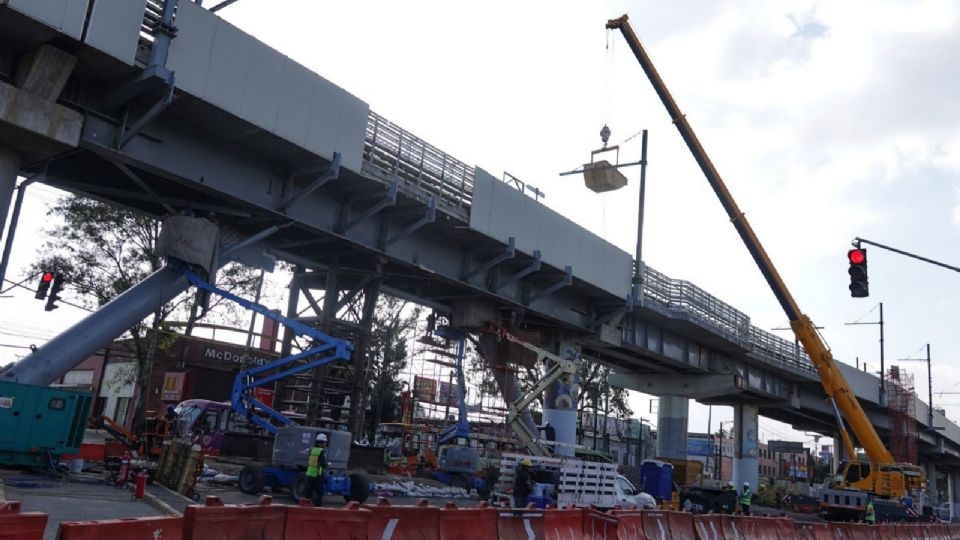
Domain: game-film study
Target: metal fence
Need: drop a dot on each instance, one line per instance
(403, 155)
(682, 295)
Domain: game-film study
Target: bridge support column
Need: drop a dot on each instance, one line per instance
(933, 489)
(9, 169)
(672, 427)
(839, 454)
(560, 406)
(746, 424)
(952, 493)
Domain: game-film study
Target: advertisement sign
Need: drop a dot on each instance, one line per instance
(425, 389)
(263, 395)
(449, 394)
(700, 447)
(172, 386)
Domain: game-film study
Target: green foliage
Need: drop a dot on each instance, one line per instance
(394, 321)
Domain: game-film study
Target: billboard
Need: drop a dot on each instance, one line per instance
(425, 389)
(449, 394)
(172, 386)
(700, 447)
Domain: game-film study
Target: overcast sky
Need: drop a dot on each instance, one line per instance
(828, 120)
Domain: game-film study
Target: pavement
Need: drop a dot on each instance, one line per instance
(77, 497)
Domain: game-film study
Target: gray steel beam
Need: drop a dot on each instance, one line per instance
(507, 254)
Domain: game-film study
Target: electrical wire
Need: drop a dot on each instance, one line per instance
(865, 314)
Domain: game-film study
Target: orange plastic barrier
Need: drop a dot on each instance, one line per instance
(681, 526)
(17, 526)
(305, 522)
(656, 525)
(478, 523)
(216, 521)
(786, 530)
(631, 524)
(732, 527)
(709, 527)
(579, 524)
(814, 531)
(861, 531)
(520, 524)
(420, 521)
(167, 528)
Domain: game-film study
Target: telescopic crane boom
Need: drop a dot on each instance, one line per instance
(834, 384)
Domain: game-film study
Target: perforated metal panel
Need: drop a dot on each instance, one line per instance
(115, 27)
(65, 15)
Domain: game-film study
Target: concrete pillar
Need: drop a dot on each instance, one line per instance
(746, 425)
(502, 374)
(560, 405)
(672, 427)
(839, 454)
(9, 170)
(934, 499)
(951, 494)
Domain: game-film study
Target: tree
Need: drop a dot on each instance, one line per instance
(101, 251)
(393, 323)
(596, 393)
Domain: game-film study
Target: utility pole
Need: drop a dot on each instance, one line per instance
(882, 396)
(638, 270)
(929, 386)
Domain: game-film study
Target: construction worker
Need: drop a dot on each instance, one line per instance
(870, 516)
(729, 486)
(746, 499)
(316, 463)
(521, 484)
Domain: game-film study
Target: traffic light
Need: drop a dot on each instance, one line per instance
(44, 286)
(859, 285)
(55, 293)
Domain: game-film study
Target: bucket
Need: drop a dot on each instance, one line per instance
(76, 466)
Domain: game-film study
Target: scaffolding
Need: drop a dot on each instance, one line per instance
(901, 405)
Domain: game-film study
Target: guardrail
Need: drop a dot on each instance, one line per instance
(401, 154)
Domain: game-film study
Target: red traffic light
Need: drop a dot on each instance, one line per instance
(47, 277)
(857, 256)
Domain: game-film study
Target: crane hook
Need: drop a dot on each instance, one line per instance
(605, 135)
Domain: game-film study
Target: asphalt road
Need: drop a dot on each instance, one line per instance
(83, 498)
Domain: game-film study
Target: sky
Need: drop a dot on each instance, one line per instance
(827, 120)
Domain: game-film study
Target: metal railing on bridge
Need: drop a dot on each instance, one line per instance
(403, 155)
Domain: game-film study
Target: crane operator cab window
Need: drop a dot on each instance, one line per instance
(856, 472)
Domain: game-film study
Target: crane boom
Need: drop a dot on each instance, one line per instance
(834, 384)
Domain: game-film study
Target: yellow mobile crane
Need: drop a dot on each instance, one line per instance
(881, 479)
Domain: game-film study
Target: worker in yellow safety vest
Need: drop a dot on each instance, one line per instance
(870, 516)
(746, 499)
(316, 463)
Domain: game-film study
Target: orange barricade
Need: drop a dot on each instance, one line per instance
(17, 526)
(681, 526)
(656, 525)
(305, 522)
(579, 524)
(520, 524)
(216, 521)
(167, 528)
(861, 531)
(420, 521)
(786, 530)
(814, 531)
(478, 523)
(732, 526)
(631, 524)
(708, 527)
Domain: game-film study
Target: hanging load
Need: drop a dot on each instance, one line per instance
(601, 176)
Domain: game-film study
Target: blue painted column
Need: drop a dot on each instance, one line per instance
(560, 404)
(672, 416)
(746, 427)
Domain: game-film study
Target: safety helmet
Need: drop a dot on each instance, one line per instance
(746, 484)
(526, 462)
(730, 483)
(321, 437)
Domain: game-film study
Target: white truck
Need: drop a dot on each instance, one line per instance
(563, 481)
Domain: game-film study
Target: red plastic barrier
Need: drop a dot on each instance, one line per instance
(166, 527)
(786, 530)
(17, 526)
(681, 526)
(656, 525)
(216, 521)
(579, 524)
(631, 524)
(814, 531)
(420, 521)
(478, 523)
(732, 526)
(708, 527)
(305, 522)
(520, 524)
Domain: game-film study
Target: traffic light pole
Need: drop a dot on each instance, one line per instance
(857, 241)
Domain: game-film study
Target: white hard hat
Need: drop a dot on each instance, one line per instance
(746, 484)
(730, 483)
(321, 437)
